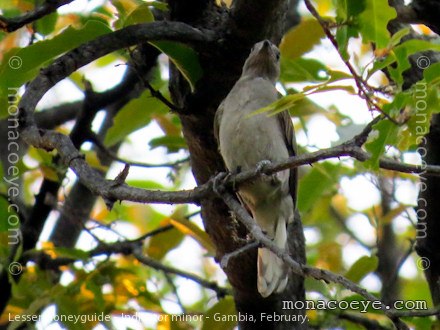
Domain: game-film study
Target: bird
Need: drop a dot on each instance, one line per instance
(247, 140)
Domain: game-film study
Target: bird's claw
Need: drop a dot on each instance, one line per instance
(218, 183)
(262, 165)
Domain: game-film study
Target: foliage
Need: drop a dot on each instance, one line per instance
(119, 284)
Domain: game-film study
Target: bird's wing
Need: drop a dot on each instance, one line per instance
(217, 120)
(289, 138)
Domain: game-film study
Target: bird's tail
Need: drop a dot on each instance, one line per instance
(272, 272)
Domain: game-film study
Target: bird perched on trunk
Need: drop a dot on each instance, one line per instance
(245, 140)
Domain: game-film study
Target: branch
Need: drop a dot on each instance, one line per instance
(221, 292)
(363, 321)
(341, 221)
(107, 189)
(103, 45)
(303, 270)
(115, 157)
(125, 248)
(155, 93)
(14, 23)
(176, 294)
(58, 115)
(364, 89)
(225, 260)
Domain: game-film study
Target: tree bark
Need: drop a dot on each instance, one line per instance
(248, 22)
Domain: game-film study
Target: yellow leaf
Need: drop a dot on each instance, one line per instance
(324, 6)
(130, 287)
(48, 248)
(301, 38)
(393, 214)
(188, 228)
(166, 124)
(159, 245)
(164, 322)
(339, 202)
(93, 160)
(49, 173)
(330, 256)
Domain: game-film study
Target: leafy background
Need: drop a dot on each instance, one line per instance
(344, 204)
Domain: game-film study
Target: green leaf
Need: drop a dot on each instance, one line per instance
(432, 74)
(141, 109)
(373, 22)
(400, 54)
(184, 58)
(23, 64)
(224, 308)
(396, 37)
(346, 14)
(313, 285)
(327, 88)
(347, 9)
(9, 229)
(302, 69)
(384, 133)
(423, 104)
(361, 268)
(172, 143)
(338, 75)
(319, 181)
(301, 39)
(46, 25)
(145, 184)
(306, 107)
(71, 253)
(142, 14)
(380, 64)
(284, 103)
(343, 35)
(6, 214)
(399, 102)
(160, 244)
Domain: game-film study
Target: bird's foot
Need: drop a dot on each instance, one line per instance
(219, 182)
(262, 165)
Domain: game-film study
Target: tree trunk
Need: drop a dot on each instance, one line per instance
(250, 21)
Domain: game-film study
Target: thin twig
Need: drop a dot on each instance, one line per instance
(367, 323)
(14, 23)
(162, 229)
(402, 260)
(176, 294)
(155, 93)
(225, 259)
(221, 292)
(93, 138)
(341, 222)
(360, 83)
(126, 248)
(303, 270)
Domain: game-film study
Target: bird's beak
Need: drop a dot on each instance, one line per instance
(266, 44)
(266, 48)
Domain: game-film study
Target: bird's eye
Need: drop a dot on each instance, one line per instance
(277, 55)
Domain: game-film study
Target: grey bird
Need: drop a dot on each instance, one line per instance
(246, 140)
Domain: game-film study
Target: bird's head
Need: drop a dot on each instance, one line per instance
(263, 61)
